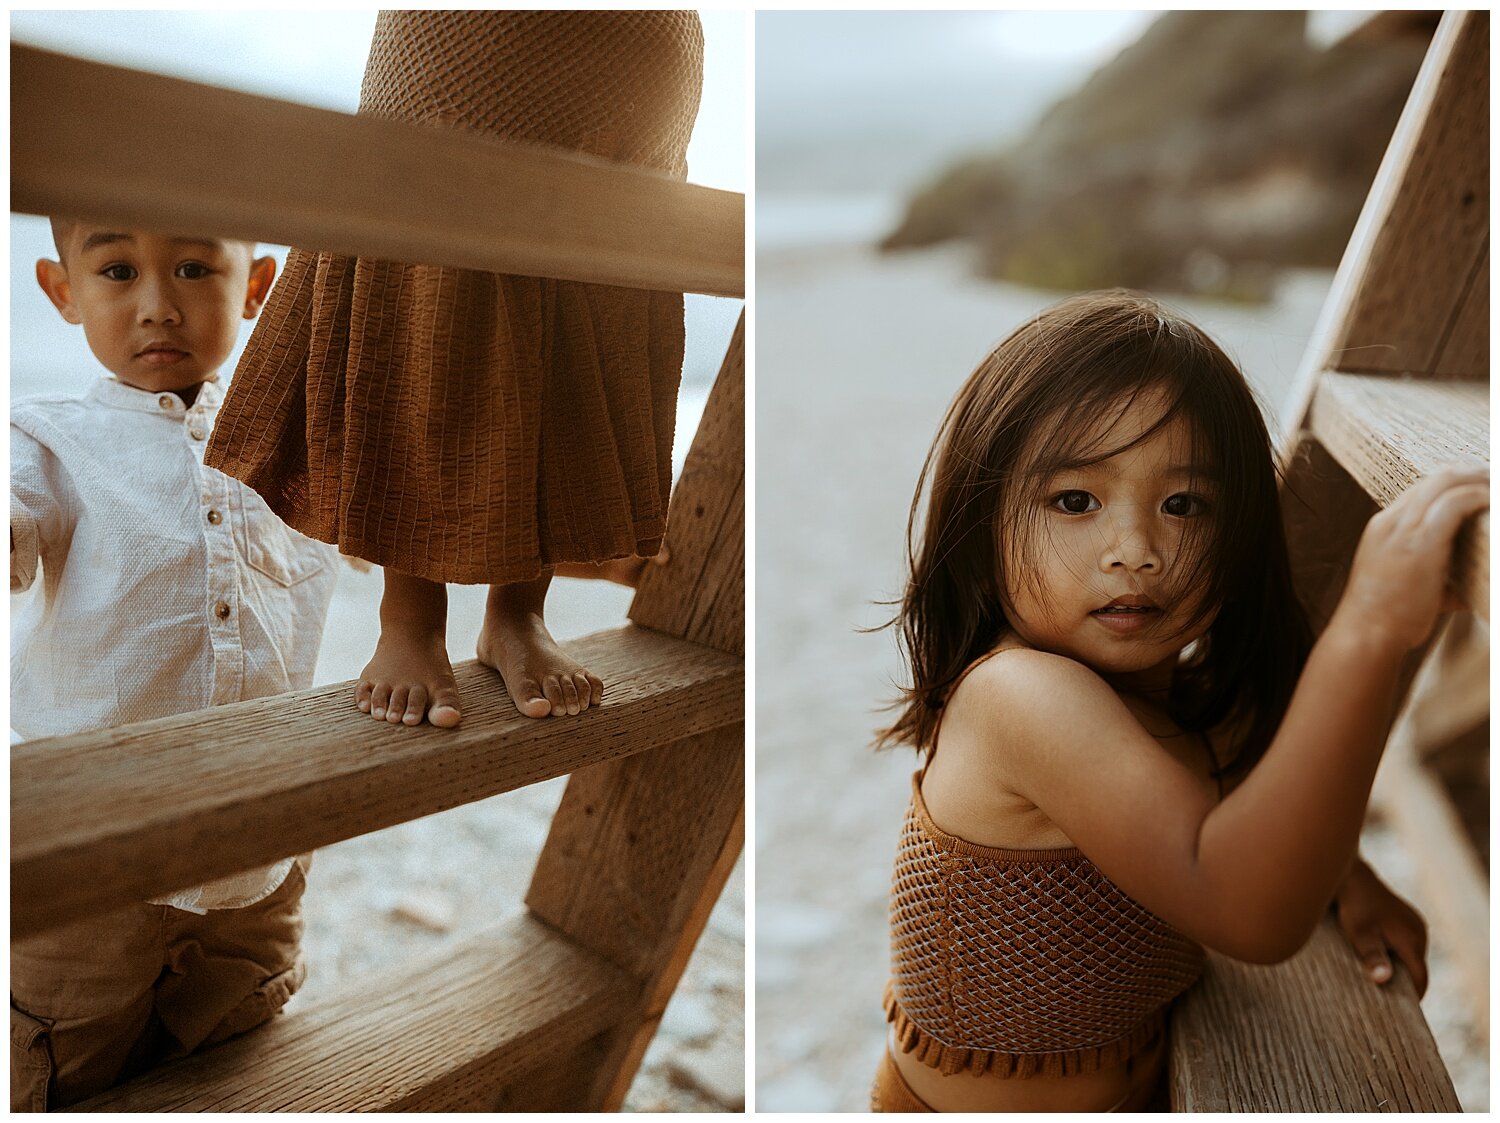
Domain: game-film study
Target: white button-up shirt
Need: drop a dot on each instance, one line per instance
(166, 586)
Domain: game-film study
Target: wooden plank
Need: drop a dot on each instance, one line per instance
(1466, 350)
(106, 818)
(443, 1033)
(639, 850)
(701, 595)
(1323, 511)
(195, 159)
(1310, 1034)
(1411, 151)
(1436, 223)
(1389, 433)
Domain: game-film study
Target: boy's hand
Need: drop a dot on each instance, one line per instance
(1378, 923)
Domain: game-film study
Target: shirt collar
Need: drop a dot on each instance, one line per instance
(116, 394)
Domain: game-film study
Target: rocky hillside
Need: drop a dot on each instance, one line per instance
(1218, 147)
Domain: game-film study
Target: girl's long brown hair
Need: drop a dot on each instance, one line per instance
(1029, 410)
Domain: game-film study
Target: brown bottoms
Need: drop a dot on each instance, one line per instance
(891, 1091)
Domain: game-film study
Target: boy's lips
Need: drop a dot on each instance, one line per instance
(160, 355)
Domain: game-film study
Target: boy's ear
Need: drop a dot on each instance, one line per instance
(53, 277)
(262, 273)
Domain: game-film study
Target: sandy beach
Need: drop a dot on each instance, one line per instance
(856, 357)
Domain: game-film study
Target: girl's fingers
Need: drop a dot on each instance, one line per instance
(1453, 506)
(1410, 947)
(1370, 948)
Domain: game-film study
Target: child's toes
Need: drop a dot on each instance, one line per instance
(529, 698)
(585, 690)
(596, 689)
(446, 710)
(362, 694)
(552, 691)
(416, 706)
(379, 700)
(569, 694)
(396, 707)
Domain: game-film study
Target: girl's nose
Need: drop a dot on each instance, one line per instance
(1130, 547)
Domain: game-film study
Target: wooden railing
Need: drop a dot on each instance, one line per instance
(1394, 385)
(552, 1009)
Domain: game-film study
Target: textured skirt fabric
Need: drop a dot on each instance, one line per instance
(474, 427)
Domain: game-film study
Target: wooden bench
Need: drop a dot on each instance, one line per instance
(553, 1008)
(1394, 385)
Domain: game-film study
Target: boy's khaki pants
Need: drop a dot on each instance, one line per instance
(97, 1001)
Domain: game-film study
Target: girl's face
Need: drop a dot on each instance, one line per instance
(1097, 572)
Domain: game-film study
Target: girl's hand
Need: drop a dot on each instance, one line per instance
(1377, 922)
(1398, 584)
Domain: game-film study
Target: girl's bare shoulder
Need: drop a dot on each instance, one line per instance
(1003, 714)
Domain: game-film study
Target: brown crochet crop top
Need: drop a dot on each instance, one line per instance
(1022, 962)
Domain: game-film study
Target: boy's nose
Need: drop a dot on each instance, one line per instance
(156, 305)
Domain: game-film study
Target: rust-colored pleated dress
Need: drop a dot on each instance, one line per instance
(474, 427)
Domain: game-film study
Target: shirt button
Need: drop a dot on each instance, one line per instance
(166, 401)
(214, 517)
(221, 610)
(196, 434)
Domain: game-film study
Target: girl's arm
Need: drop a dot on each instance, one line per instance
(1250, 875)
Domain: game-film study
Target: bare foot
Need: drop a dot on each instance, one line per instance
(622, 571)
(539, 675)
(409, 676)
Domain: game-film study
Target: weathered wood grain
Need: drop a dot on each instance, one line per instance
(701, 595)
(1466, 348)
(441, 1034)
(1434, 227)
(106, 818)
(640, 850)
(195, 159)
(1369, 271)
(1323, 513)
(1389, 433)
(1311, 1034)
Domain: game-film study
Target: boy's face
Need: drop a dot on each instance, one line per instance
(159, 312)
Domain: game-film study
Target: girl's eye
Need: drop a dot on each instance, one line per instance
(1184, 505)
(1075, 502)
(119, 271)
(193, 270)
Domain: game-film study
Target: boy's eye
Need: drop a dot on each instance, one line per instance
(118, 271)
(1184, 505)
(193, 270)
(1074, 502)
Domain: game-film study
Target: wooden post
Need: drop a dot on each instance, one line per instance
(639, 850)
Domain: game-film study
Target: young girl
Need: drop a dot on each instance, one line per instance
(1130, 750)
(473, 427)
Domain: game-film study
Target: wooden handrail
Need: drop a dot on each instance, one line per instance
(191, 158)
(103, 819)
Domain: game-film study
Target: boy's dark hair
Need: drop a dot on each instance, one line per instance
(1034, 407)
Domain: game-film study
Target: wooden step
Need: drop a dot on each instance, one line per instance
(125, 814)
(355, 185)
(1390, 432)
(447, 1030)
(1310, 1034)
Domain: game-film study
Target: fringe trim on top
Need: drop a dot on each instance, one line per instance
(949, 1059)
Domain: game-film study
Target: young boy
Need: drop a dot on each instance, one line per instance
(167, 587)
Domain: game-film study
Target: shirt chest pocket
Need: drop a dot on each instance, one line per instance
(272, 548)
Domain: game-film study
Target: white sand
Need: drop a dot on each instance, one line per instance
(856, 357)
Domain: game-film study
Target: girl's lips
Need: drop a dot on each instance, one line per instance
(1126, 622)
